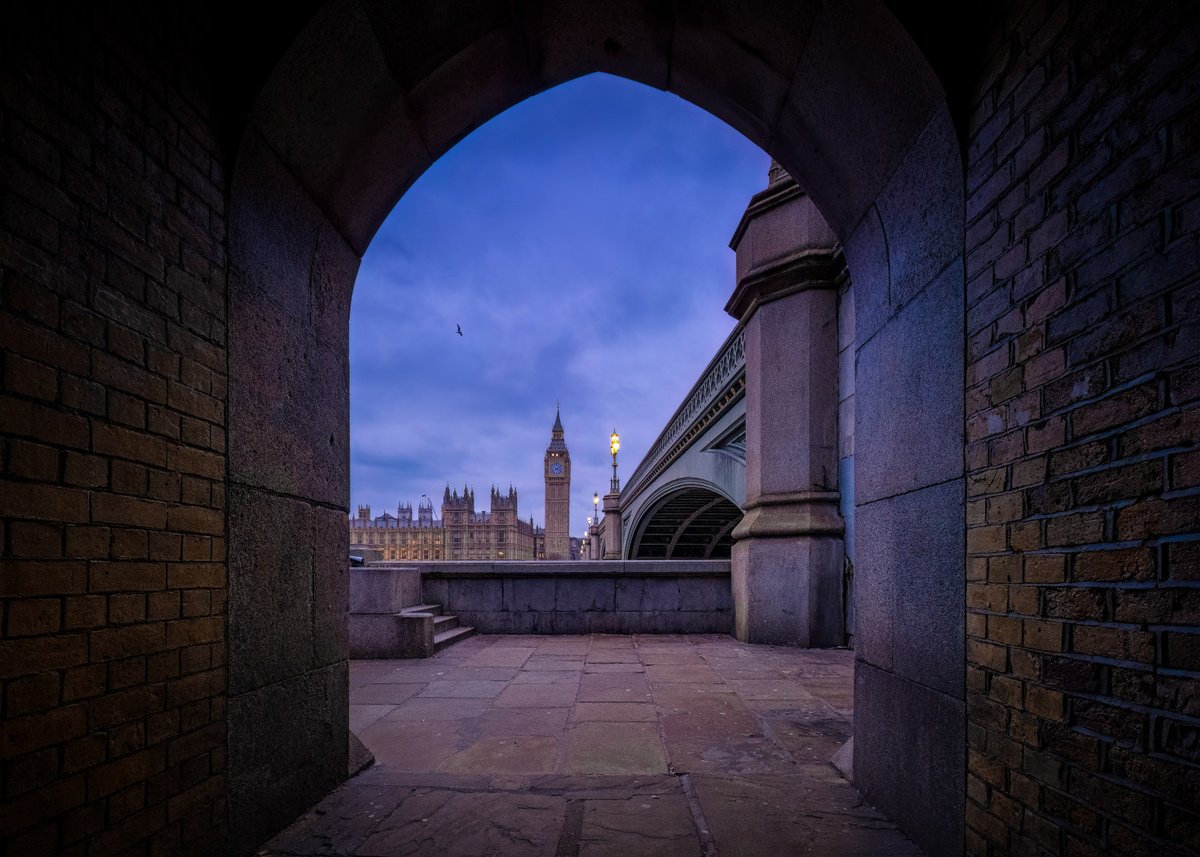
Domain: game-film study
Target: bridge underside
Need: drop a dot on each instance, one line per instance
(693, 523)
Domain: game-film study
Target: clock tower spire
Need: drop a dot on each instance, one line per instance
(558, 493)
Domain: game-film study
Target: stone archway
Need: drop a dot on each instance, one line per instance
(690, 522)
(364, 100)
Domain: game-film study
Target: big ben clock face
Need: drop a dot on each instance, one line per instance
(556, 468)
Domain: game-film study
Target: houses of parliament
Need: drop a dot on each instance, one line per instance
(462, 533)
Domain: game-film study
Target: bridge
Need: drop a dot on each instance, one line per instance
(686, 496)
(756, 463)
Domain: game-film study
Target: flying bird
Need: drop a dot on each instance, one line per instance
(459, 329)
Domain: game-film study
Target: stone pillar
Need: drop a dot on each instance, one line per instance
(612, 526)
(789, 551)
(594, 540)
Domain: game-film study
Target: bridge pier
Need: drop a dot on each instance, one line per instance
(788, 554)
(612, 525)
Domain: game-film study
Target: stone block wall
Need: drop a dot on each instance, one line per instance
(112, 438)
(625, 597)
(1083, 411)
(846, 357)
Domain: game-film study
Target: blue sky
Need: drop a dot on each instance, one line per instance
(581, 239)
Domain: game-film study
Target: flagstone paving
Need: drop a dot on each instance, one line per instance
(589, 746)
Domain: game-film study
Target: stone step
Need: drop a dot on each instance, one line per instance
(449, 638)
(435, 609)
(444, 623)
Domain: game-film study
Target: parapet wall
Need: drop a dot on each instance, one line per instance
(629, 597)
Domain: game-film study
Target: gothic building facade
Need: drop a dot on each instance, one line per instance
(495, 534)
(399, 537)
(460, 533)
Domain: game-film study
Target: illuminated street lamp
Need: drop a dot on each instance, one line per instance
(614, 443)
(596, 506)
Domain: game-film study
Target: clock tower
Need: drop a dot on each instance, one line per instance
(558, 494)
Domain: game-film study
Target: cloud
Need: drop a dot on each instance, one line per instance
(580, 239)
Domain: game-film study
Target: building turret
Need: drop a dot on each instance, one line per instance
(425, 512)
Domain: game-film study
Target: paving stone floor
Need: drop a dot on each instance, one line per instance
(600, 746)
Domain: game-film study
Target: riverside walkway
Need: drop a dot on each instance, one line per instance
(555, 746)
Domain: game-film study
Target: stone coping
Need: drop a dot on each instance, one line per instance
(569, 568)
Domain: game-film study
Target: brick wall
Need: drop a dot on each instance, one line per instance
(112, 443)
(1083, 410)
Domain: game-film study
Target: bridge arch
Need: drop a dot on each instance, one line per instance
(687, 519)
(365, 98)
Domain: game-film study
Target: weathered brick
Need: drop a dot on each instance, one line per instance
(1044, 568)
(163, 485)
(196, 461)
(1185, 470)
(108, 778)
(1043, 636)
(83, 395)
(32, 693)
(21, 735)
(1071, 675)
(129, 478)
(1114, 643)
(34, 616)
(1079, 457)
(43, 345)
(34, 539)
(127, 576)
(30, 378)
(109, 643)
(186, 632)
(87, 471)
(189, 575)
(130, 511)
(1003, 569)
(129, 444)
(127, 608)
(1004, 629)
(988, 597)
(1114, 565)
(1030, 471)
(1183, 561)
(128, 378)
(1116, 483)
(1158, 517)
(1076, 529)
(87, 542)
(1115, 410)
(982, 540)
(196, 519)
(163, 422)
(43, 502)
(1074, 603)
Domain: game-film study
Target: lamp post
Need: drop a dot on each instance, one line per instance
(596, 506)
(614, 444)
(611, 545)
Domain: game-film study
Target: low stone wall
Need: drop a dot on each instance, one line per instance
(378, 628)
(617, 597)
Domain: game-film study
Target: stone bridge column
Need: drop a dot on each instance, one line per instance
(612, 525)
(788, 555)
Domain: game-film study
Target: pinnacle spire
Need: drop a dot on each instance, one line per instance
(557, 418)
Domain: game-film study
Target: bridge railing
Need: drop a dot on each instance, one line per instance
(722, 383)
